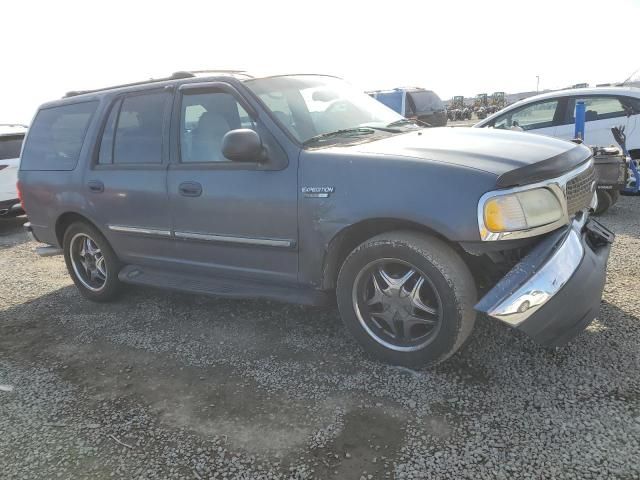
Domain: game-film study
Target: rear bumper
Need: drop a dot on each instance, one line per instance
(554, 292)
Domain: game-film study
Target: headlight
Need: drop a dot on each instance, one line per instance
(521, 211)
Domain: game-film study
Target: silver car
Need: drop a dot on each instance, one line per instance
(11, 137)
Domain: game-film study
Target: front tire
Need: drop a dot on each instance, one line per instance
(407, 298)
(91, 262)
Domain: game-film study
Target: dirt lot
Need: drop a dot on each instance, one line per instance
(165, 385)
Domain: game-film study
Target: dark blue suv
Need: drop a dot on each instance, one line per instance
(301, 188)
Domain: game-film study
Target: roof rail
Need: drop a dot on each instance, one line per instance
(173, 76)
(232, 72)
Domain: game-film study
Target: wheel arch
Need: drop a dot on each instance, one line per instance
(348, 238)
(66, 219)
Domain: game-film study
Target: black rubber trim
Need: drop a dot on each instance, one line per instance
(546, 169)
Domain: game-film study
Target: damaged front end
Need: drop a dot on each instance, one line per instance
(554, 291)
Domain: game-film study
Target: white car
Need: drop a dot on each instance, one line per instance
(11, 137)
(553, 114)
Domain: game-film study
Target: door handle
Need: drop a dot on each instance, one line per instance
(95, 186)
(190, 189)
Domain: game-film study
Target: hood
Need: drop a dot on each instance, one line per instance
(516, 158)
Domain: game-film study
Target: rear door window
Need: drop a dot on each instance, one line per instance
(632, 105)
(133, 132)
(10, 146)
(598, 108)
(56, 137)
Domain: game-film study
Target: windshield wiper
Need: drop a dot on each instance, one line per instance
(384, 129)
(339, 133)
(406, 121)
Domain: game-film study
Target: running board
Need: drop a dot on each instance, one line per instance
(48, 251)
(200, 284)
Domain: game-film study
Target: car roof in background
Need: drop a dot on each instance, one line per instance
(569, 92)
(11, 129)
(576, 92)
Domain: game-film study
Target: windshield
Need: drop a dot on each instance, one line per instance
(312, 105)
(425, 101)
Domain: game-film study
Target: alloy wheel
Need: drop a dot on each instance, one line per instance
(88, 262)
(397, 304)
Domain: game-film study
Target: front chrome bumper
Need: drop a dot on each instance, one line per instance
(551, 291)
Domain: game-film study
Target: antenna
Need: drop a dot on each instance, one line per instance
(629, 77)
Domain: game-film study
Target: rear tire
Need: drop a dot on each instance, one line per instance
(91, 262)
(414, 319)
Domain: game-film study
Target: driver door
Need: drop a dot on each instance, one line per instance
(230, 219)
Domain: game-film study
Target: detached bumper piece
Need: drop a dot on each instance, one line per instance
(554, 292)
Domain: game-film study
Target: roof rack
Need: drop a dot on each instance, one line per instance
(231, 72)
(174, 76)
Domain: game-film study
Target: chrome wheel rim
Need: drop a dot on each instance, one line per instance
(397, 304)
(88, 262)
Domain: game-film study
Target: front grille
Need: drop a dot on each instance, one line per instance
(580, 191)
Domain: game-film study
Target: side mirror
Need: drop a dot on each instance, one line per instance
(243, 145)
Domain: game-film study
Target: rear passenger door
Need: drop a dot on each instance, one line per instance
(230, 219)
(127, 181)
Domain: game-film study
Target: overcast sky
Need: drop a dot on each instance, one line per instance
(452, 47)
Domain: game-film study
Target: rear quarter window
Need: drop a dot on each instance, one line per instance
(56, 137)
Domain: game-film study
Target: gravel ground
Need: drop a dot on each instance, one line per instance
(164, 385)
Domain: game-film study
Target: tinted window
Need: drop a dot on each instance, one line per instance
(56, 137)
(206, 118)
(138, 131)
(632, 103)
(10, 146)
(599, 108)
(538, 115)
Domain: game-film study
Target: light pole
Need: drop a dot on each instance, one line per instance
(537, 83)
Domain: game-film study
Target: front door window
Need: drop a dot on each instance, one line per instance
(530, 117)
